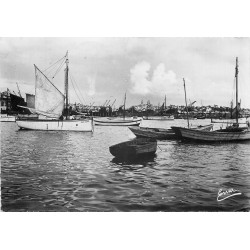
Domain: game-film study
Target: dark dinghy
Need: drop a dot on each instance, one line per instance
(134, 148)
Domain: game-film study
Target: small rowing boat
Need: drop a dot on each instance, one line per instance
(134, 148)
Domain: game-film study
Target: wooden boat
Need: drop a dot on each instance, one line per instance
(156, 133)
(110, 121)
(223, 135)
(50, 104)
(178, 134)
(134, 148)
(231, 133)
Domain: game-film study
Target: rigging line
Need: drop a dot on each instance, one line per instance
(54, 63)
(58, 69)
(74, 88)
(79, 90)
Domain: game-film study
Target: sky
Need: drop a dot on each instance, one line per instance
(144, 68)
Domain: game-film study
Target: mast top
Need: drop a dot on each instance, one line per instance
(236, 68)
(67, 59)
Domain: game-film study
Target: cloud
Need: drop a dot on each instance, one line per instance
(159, 83)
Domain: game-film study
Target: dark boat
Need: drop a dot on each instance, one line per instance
(156, 133)
(134, 148)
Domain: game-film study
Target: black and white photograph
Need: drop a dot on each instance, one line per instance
(124, 125)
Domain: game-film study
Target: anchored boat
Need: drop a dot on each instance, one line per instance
(110, 121)
(134, 148)
(231, 133)
(50, 104)
(114, 121)
(156, 133)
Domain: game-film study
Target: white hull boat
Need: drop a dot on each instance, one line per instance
(57, 125)
(159, 118)
(7, 118)
(117, 122)
(50, 104)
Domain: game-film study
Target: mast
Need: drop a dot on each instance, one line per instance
(236, 76)
(66, 85)
(186, 101)
(7, 102)
(165, 103)
(124, 106)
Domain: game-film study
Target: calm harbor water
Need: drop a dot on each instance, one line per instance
(74, 171)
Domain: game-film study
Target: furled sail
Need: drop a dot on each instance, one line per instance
(48, 98)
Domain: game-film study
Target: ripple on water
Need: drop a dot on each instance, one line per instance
(65, 171)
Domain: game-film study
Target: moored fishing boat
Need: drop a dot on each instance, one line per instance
(178, 134)
(134, 148)
(231, 133)
(163, 134)
(157, 133)
(50, 104)
(223, 135)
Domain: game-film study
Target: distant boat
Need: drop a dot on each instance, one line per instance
(229, 121)
(231, 133)
(117, 121)
(159, 118)
(134, 148)
(50, 104)
(7, 118)
(113, 121)
(156, 133)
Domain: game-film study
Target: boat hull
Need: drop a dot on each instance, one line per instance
(159, 118)
(159, 134)
(135, 148)
(214, 136)
(117, 122)
(177, 130)
(57, 125)
(7, 118)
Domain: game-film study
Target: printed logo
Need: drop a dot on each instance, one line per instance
(224, 194)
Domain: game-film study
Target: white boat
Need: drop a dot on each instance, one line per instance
(110, 121)
(63, 125)
(159, 118)
(50, 104)
(118, 121)
(7, 118)
(231, 133)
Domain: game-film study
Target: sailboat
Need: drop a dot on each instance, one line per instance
(50, 104)
(231, 133)
(114, 121)
(177, 130)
